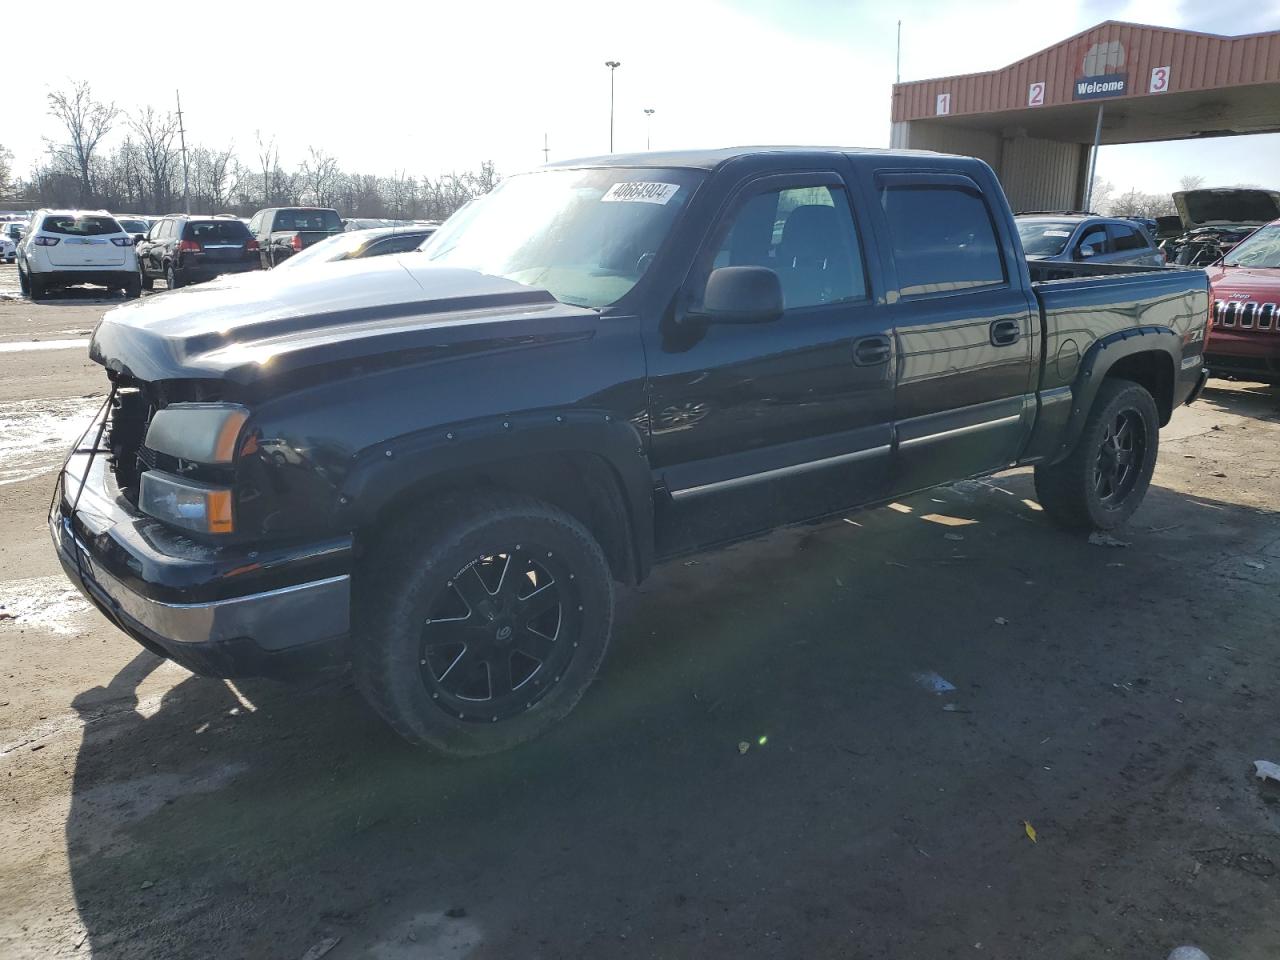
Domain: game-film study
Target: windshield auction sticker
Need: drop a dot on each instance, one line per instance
(636, 192)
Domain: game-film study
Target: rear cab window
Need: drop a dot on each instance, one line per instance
(215, 231)
(307, 220)
(84, 225)
(943, 236)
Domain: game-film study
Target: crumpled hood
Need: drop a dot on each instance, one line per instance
(251, 326)
(1227, 206)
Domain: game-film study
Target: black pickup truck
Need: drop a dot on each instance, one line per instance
(436, 466)
(283, 231)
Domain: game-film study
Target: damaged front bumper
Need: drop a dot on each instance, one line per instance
(223, 611)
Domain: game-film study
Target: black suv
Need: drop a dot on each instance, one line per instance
(185, 249)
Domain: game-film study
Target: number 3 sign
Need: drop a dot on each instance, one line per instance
(1159, 80)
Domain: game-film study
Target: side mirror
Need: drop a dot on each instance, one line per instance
(742, 295)
(1086, 253)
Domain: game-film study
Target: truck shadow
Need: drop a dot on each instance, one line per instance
(756, 772)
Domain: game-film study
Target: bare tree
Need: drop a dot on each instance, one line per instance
(216, 176)
(86, 121)
(320, 175)
(157, 135)
(268, 163)
(6, 169)
(1191, 182)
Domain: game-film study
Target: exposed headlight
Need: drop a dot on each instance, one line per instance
(199, 432)
(186, 503)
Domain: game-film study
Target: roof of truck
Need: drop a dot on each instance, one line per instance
(710, 159)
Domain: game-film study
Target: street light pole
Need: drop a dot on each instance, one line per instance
(612, 65)
(648, 129)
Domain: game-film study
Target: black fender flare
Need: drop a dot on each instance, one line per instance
(382, 472)
(1100, 358)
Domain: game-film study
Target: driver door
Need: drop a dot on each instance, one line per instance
(757, 425)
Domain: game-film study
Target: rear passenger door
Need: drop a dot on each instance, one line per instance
(1130, 245)
(964, 328)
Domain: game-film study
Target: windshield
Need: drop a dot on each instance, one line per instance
(586, 236)
(1045, 238)
(132, 226)
(1262, 249)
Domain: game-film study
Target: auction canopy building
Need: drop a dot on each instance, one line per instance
(1035, 121)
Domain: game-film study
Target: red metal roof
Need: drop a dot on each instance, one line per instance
(1195, 61)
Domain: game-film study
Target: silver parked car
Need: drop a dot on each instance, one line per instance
(1084, 238)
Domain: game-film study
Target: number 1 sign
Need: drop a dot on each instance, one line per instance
(944, 104)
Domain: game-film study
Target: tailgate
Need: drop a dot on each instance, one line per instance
(86, 252)
(314, 236)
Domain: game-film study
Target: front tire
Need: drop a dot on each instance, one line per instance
(1105, 478)
(484, 624)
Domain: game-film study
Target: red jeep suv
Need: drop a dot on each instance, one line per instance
(1244, 336)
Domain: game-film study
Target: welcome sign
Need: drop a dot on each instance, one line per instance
(1107, 85)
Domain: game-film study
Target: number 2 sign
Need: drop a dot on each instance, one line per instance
(1159, 80)
(1035, 95)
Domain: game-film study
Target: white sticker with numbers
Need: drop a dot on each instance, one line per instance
(637, 192)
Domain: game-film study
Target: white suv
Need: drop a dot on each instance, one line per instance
(66, 247)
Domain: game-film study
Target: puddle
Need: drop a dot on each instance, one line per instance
(50, 603)
(35, 435)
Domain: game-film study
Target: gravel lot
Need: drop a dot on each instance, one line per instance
(1112, 698)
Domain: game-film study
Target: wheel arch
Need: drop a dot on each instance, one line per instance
(1146, 355)
(594, 471)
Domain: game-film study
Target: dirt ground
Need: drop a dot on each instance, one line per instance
(1112, 698)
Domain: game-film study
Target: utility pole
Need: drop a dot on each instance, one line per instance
(612, 65)
(186, 172)
(546, 150)
(648, 128)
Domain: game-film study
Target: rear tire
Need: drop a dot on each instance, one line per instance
(144, 281)
(172, 277)
(36, 288)
(24, 285)
(1105, 477)
(463, 649)
(133, 289)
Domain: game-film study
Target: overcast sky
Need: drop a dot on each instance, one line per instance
(429, 87)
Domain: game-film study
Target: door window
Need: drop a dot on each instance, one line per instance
(807, 236)
(1093, 243)
(944, 240)
(1125, 238)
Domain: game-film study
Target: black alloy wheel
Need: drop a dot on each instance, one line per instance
(1120, 457)
(500, 634)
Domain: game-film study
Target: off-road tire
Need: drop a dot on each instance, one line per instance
(407, 570)
(1067, 489)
